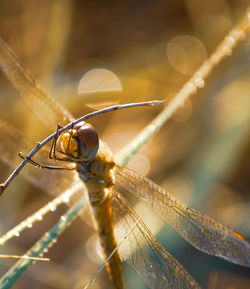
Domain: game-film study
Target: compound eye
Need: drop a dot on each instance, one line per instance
(88, 141)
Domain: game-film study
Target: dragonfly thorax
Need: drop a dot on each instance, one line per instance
(98, 174)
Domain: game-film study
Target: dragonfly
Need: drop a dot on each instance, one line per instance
(96, 167)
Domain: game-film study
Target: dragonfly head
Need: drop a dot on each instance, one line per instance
(81, 143)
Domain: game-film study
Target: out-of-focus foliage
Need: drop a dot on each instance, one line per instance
(201, 155)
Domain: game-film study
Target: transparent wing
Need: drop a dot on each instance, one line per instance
(45, 107)
(144, 254)
(198, 229)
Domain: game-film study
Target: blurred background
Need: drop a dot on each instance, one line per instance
(201, 155)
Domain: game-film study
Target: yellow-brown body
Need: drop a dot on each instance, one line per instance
(99, 179)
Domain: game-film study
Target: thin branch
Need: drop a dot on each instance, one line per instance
(67, 127)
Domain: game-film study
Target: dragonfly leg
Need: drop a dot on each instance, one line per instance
(54, 149)
(70, 137)
(52, 152)
(64, 159)
(42, 166)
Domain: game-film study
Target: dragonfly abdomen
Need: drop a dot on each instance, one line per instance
(104, 218)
